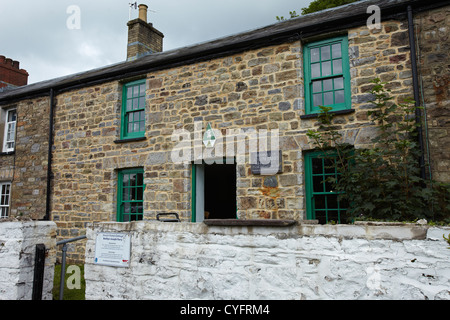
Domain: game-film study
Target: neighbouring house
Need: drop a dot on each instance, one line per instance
(183, 131)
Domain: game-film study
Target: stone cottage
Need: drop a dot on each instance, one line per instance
(218, 130)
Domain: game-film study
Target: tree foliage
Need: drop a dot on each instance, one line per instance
(317, 5)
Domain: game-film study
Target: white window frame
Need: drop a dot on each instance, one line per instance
(5, 198)
(10, 127)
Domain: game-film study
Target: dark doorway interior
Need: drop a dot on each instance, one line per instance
(220, 191)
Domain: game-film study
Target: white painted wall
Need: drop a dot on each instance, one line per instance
(194, 261)
(18, 242)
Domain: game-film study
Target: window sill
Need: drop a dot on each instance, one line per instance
(249, 223)
(316, 115)
(130, 140)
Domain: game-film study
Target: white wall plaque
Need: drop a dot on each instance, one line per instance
(113, 249)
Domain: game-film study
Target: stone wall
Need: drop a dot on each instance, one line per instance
(257, 89)
(345, 262)
(18, 242)
(433, 51)
(26, 167)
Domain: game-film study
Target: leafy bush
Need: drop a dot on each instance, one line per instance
(382, 182)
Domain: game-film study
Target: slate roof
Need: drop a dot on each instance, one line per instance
(339, 18)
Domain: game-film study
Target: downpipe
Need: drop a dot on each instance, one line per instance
(49, 156)
(418, 113)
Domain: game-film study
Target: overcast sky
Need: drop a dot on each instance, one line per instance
(44, 37)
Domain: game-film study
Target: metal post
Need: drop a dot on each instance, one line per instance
(63, 272)
(63, 266)
(39, 266)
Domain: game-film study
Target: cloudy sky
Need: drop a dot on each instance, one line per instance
(49, 41)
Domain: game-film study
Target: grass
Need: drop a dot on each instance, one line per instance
(69, 294)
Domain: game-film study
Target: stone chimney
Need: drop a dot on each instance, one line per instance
(10, 74)
(143, 39)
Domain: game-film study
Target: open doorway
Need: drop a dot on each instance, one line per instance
(214, 195)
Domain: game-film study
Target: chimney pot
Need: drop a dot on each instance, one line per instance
(143, 12)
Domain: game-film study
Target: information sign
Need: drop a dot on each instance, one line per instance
(113, 249)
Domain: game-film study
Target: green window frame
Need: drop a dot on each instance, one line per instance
(327, 75)
(130, 195)
(322, 202)
(133, 110)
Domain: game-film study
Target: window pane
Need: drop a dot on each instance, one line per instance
(133, 179)
(319, 202)
(317, 99)
(325, 53)
(139, 194)
(337, 66)
(135, 91)
(315, 55)
(142, 89)
(11, 131)
(328, 98)
(142, 102)
(332, 202)
(12, 116)
(326, 68)
(134, 208)
(333, 215)
(339, 83)
(328, 85)
(130, 92)
(336, 48)
(317, 166)
(321, 216)
(328, 185)
(329, 166)
(135, 104)
(315, 70)
(129, 105)
(339, 96)
(317, 86)
(126, 194)
(318, 186)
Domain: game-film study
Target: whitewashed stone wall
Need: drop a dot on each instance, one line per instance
(195, 261)
(18, 242)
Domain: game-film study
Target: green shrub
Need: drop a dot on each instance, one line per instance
(383, 182)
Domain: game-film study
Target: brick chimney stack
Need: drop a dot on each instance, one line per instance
(10, 74)
(143, 39)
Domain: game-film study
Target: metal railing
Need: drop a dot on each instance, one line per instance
(63, 265)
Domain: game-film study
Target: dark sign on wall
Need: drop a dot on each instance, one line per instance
(266, 162)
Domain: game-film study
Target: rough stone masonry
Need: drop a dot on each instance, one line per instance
(346, 262)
